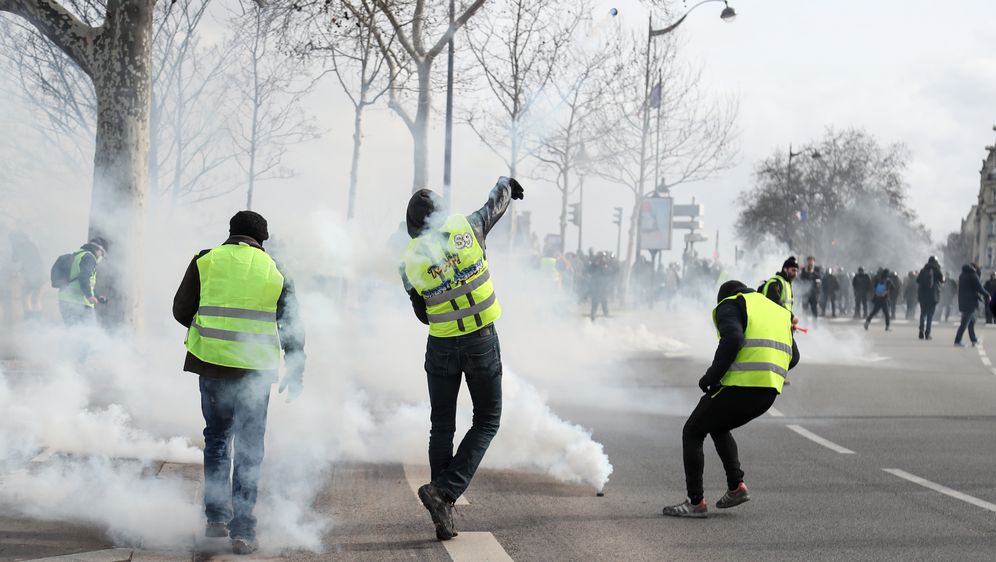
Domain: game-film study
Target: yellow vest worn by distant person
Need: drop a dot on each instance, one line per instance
(787, 297)
(236, 321)
(73, 292)
(448, 268)
(764, 359)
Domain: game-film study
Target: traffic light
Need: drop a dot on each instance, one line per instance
(576, 214)
(617, 216)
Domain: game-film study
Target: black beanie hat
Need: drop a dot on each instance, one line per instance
(729, 289)
(790, 262)
(422, 204)
(249, 223)
(100, 242)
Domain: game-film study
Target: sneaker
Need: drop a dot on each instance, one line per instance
(733, 498)
(440, 509)
(216, 530)
(687, 509)
(244, 545)
(959, 344)
(866, 326)
(920, 336)
(927, 337)
(975, 343)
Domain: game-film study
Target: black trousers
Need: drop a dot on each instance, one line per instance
(879, 303)
(926, 316)
(717, 415)
(860, 305)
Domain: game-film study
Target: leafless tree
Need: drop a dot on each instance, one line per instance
(116, 58)
(696, 133)
(420, 30)
(574, 127)
(271, 83)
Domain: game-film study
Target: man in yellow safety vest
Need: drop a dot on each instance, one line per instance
(77, 298)
(446, 274)
(756, 350)
(779, 287)
(240, 312)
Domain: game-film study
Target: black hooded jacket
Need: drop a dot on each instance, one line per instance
(481, 221)
(970, 289)
(731, 321)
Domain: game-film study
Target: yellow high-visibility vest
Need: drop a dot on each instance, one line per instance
(787, 296)
(236, 320)
(73, 292)
(448, 268)
(764, 359)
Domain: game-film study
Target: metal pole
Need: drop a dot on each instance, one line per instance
(448, 150)
(644, 130)
(580, 209)
(657, 149)
(619, 239)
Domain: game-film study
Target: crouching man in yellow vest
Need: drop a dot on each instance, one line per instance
(756, 350)
(240, 311)
(445, 272)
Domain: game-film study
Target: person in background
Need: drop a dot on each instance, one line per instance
(240, 311)
(755, 352)
(779, 287)
(862, 286)
(910, 294)
(990, 287)
(970, 291)
(812, 286)
(950, 294)
(77, 301)
(880, 297)
(27, 264)
(929, 282)
(831, 289)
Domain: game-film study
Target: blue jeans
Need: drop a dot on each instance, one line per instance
(967, 321)
(234, 414)
(479, 359)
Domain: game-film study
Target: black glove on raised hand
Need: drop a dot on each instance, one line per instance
(517, 191)
(706, 385)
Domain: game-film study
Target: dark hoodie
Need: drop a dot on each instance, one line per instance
(424, 203)
(731, 321)
(929, 283)
(970, 289)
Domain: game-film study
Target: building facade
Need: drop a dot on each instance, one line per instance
(979, 227)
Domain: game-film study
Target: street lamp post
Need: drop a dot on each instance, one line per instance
(814, 154)
(728, 14)
(448, 149)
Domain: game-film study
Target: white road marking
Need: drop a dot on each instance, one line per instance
(476, 547)
(986, 361)
(819, 440)
(942, 489)
(775, 412)
(994, 371)
(873, 358)
(418, 474)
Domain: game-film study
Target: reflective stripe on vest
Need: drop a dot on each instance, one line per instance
(73, 291)
(448, 268)
(236, 320)
(764, 359)
(787, 296)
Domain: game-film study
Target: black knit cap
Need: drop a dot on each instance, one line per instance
(790, 262)
(100, 242)
(423, 203)
(729, 289)
(249, 223)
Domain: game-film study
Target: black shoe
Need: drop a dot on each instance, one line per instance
(244, 545)
(216, 530)
(927, 337)
(920, 336)
(440, 509)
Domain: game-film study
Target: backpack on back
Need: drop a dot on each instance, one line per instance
(60, 271)
(881, 289)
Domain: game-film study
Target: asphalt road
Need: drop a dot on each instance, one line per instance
(906, 410)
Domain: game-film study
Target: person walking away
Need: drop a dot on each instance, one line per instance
(970, 290)
(950, 293)
(811, 276)
(445, 272)
(895, 291)
(755, 352)
(990, 287)
(862, 290)
(779, 287)
(910, 294)
(929, 282)
(880, 298)
(602, 275)
(240, 311)
(77, 300)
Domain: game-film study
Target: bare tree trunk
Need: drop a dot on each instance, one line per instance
(420, 130)
(121, 76)
(354, 167)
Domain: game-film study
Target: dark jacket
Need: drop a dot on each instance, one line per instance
(862, 284)
(970, 289)
(481, 221)
(731, 321)
(929, 283)
(290, 328)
